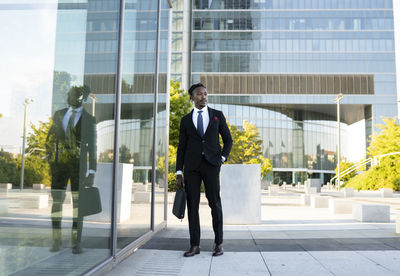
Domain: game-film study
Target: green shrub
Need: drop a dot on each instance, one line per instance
(171, 167)
(36, 171)
(387, 175)
(8, 168)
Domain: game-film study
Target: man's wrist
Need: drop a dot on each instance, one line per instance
(223, 159)
(92, 171)
(178, 173)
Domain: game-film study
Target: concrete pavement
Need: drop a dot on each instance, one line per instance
(291, 240)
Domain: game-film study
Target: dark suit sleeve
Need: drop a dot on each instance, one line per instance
(92, 144)
(226, 137)
(52, 139)
(181, 146)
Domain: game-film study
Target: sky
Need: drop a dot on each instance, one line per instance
(27, 57)
(27, 70)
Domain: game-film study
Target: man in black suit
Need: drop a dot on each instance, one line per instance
(200, 157)
(71, 143)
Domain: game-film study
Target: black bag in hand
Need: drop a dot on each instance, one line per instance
(89, 201)
(179, 204)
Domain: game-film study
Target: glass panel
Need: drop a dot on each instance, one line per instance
(136, 130)
(137, 122)
(65, 79)
(161, 134)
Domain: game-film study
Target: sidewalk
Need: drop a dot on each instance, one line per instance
(291, 240)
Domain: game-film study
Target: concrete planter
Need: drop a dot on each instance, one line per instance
(371, 212)
(241, 193)
(340, 206)
(317, 201)
(103, 180)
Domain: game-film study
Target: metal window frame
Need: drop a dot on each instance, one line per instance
(116, 257)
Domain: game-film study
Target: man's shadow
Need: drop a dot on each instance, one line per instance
(70, 144)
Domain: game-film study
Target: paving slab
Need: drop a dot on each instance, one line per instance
(197, 265)
(349, 263)
(388, 259)
(150, 261)
(269, 235)
(364, 244)
(293, 263)
(276, 245)
(237, 235)
(321, 245)
(239, 263)
(304, 234)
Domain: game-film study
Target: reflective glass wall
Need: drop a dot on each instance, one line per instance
(289, 59)
(289, 138)
(64, 126)
(141, 143)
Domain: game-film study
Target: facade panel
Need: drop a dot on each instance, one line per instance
(292, 58)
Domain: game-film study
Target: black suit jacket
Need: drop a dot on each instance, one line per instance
(191, 145)
(85, 134)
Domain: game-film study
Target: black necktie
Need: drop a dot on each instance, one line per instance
(70, 138)
(200, 124)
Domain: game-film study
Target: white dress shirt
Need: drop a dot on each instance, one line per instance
(78, 115)
(68, 115)
(204, 114)
(206, 120)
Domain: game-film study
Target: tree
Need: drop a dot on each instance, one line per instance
(37, 139)
(36, 171)
(125, 156)
(386, 141)
(107, 156)
(247, 149)
(180, 105)
(37, 168)
(387, 174)
(8, 167)
(171, 167)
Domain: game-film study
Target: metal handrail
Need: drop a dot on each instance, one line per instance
(359, 164)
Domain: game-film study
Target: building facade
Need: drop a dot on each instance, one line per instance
(276, 64)
(119, 55)
(281, 64)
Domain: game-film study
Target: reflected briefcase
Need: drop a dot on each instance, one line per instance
(179, 204)
(89, 201)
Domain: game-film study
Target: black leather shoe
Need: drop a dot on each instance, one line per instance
(77, 249)
(193, 250)
(218, 250)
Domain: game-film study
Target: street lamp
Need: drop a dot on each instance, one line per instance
(27, 101)
(94, 100)
(337, 101)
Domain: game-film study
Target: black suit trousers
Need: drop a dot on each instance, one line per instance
(209, 174)
(61, 173)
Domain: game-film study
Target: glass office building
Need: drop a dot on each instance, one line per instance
(281, 64)
(114, 59)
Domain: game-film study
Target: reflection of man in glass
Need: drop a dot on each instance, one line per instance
(71, 143)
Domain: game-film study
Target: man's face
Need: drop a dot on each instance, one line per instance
(199, 97)
(75, 98)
